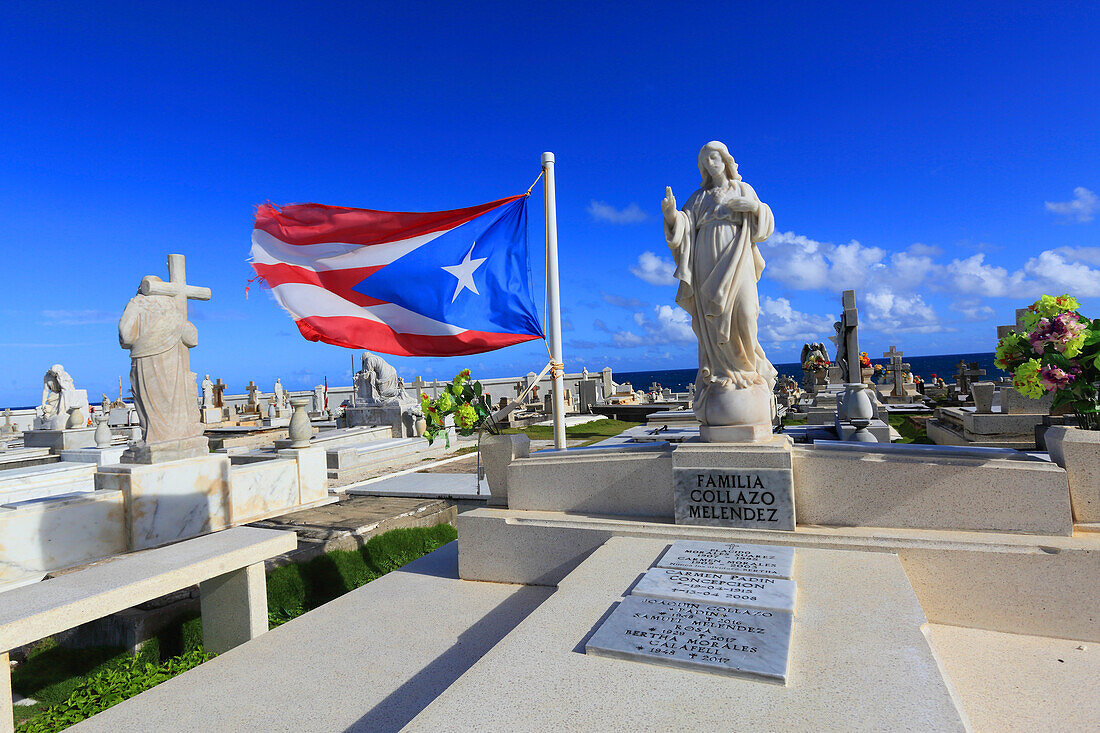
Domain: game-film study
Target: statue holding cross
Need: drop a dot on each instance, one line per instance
(154, 327)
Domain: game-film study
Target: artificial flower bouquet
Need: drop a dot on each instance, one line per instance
(464, 400)
(1058, 352)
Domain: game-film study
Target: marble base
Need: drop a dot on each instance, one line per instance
(397, 417)
(36, 482)
(734, 433)
(59, 440)
(98, 456)
(210, 415)
(167, 450)
(172, 500)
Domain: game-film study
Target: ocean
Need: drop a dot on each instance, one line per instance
(942, 365)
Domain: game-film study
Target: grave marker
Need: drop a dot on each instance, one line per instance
(776, 561)
(721, 639)
(701, 586)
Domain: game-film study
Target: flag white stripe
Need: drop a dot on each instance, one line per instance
(303, 301)
(270, 250)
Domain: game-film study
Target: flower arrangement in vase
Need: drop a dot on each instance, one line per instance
(1058, 352)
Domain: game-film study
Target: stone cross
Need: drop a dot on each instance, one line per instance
(1003, 331)
(219, 389)
(967, 374)
(419, 385)
(897, 369)
(253, 393)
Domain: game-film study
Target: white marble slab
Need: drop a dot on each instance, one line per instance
(51, 479)
(750, 498)
(776, 561)
(705, 637)
(701, 586)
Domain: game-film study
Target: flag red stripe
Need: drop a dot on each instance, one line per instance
(339, 282)
(363, 333)
(317, 223)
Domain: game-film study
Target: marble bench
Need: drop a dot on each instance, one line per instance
(228, 567)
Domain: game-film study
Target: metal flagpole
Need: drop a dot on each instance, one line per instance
(553, 299)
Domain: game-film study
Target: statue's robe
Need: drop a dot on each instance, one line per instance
(718, 265)
(158, 336)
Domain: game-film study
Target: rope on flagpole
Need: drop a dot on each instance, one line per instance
(533, 184)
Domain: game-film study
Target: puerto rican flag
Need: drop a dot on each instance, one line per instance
(441, 283)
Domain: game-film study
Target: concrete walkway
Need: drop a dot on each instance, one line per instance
(426, 486)
(370, 660)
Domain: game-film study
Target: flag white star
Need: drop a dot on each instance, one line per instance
(464, 271)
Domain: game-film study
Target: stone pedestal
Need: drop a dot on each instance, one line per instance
(172, 500)
(167, 450)
(398, 417)
(98, 456)
(1078, 451)
(737, 415)
(59, 440)
(210, 414)
(746, 485)
(497, 452)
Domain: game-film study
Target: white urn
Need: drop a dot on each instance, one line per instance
(301, 429)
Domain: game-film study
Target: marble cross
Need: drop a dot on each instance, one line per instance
(253, 396)
(177, 284)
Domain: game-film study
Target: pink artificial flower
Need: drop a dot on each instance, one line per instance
(1053, 378)
(1059, 331)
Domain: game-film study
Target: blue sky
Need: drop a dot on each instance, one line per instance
(940, 159)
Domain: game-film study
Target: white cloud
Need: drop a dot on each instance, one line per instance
(1055, 274)
(973, 309)
(780, 323)
(630, 214)
(653, 269)
(626, 339)
(78, 317)
(802, 263)
(972, 276)
(673, 325)
(1081, 207)
(891, 312)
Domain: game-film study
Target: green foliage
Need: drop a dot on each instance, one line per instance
(110, 686)
(463, 400)
(910, 430)
(294, 589)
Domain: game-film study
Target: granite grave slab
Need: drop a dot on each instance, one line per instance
(727, 640)
(701, 586)
(775, 561)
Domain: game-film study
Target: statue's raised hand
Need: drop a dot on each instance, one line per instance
(668, 206)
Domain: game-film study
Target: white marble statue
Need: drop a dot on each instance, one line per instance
(154, 327)
(207, 392)
(60, 398)
(377, 382)
(713, 242)
(278, 394)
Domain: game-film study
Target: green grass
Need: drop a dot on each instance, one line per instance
(910, 431)
(294, 589)
(591, 432)
(73, 684)
(788, 421)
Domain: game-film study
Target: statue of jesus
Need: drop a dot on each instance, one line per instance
(713, 242)
(154, 327)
